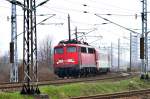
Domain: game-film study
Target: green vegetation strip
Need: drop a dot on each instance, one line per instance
(83, 89)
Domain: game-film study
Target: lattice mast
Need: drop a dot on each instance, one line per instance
(145, 36)
(13, 45)
(30, 48)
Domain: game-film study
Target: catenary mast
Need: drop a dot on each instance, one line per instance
(143, 41)
(30, 48)
(13, 45)
(30, 66)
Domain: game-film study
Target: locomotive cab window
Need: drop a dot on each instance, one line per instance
(71, 49)
(83, 50)
(59, 51)
(91, 50)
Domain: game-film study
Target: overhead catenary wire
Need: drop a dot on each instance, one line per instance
(79, 11)
(65, 8)
(97, 7)
(81, 4)
(65, 11)
(91, 7)
(117, 24)
(38, 23)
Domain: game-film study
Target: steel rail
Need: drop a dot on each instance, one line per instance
(63, 81)
(116, 95)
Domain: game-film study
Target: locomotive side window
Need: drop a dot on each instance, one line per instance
(91, 50)
(83, 50)
(71, 49)
(59, 50)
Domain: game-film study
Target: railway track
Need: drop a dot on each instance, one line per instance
(9, 86)
(116, 95)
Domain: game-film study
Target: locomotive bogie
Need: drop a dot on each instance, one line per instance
(67, 72)
(76, 72)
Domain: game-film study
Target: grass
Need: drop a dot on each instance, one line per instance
(13, 95)
(83, 89)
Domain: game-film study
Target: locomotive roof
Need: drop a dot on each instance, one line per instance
(73, 43)
(82, 45)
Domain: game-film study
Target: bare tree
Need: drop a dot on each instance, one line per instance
(45, 58)
(45, 51)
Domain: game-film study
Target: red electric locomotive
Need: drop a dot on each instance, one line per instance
(73, 59)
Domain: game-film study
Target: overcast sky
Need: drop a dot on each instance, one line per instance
(122, 12)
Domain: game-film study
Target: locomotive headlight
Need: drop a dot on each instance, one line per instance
(71, 60)
(60, 61)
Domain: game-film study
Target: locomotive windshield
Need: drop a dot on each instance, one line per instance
(59, 51)
(71, 49)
